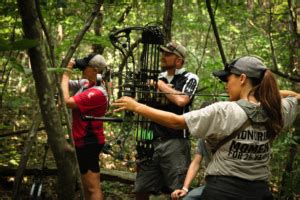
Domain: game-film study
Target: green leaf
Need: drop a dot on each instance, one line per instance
(3, 44)
(27, 71)
(16, 65)
(17, 45)
(25, 44)
(234, 29)
(3, 126)
(13, 162)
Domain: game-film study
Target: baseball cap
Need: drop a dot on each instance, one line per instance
(175, 48)
(98, 61)
(249, 65)
(93, 60)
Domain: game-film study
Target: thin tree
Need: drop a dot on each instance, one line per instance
(63, 152)
(167, 21)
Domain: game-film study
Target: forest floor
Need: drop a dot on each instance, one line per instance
(112, 190)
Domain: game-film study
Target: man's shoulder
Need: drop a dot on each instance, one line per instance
(191, 75)
(187, 74)
(98, 90)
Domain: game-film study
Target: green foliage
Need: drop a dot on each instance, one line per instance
(280, 151)
(17, 45)
(243, 31)
(14, 103)
(10, 153)
(16, 65)
(90, 39)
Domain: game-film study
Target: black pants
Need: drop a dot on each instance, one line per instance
(233, 188)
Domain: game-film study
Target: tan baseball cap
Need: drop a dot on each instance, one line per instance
(98, 61)
(175, 48)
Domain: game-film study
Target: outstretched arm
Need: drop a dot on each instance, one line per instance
(286, 93)
(164, 118)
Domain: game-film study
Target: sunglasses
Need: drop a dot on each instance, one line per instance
(167, 53)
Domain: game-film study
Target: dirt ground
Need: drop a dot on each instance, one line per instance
(112, 190)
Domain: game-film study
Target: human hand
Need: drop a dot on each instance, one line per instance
(177, 194)
(151, 83)
(71, 64)
(125, 103)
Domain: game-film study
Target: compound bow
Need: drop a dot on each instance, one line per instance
(134, 82)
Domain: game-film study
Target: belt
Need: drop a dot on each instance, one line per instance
(210, 178)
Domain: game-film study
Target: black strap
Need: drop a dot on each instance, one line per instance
(231, 136)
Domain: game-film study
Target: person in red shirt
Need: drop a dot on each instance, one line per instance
(88, 99)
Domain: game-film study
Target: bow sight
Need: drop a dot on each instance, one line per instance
(133, 79)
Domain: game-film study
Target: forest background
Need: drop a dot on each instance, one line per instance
(38, 37)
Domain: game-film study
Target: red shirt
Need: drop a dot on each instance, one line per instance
(91, 102)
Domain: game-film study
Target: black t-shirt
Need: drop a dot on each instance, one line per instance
(185, 82)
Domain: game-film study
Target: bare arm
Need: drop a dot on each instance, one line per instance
(191, 174)
(192, 171)
(175, 96)
(65, 87)
(164, 118)
(286, 93)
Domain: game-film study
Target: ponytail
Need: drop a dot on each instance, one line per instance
(266, 91)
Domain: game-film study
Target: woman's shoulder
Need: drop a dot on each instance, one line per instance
(228, 110)
(290, 100)
(226, 105)
(289, 104)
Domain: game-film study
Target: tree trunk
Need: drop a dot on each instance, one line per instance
(295, 39)
(168, 16)
(216, 32)
(25, 155)
(106, 174)
(64, 154)
(293, 149)
(250, 5)
(98, 48)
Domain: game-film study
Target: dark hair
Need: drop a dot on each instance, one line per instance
(266, 91)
